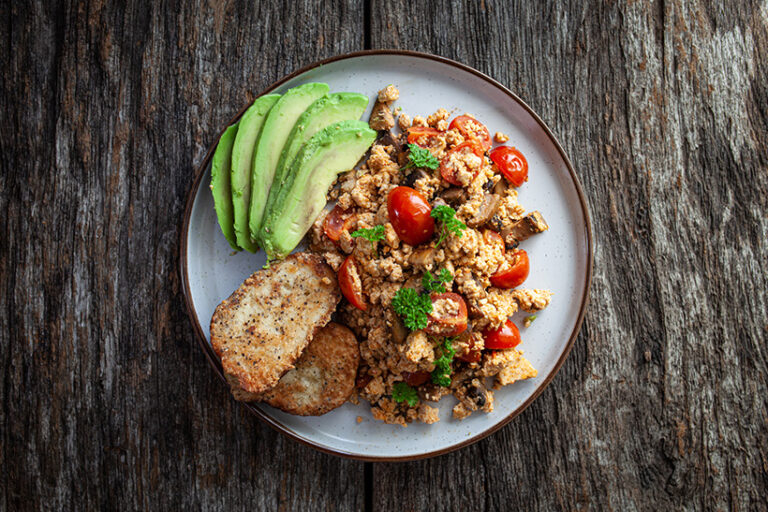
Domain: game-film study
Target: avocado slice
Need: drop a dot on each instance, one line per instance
(242, 155)
(335, 149)
(221, 185)
(273, 137)
(340, 106)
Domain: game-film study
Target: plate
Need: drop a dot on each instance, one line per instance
(561, 258)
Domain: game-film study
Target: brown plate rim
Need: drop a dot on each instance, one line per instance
(208, 350)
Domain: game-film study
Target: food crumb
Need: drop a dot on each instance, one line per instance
(326, 280)
(359, 419)
(500, 137)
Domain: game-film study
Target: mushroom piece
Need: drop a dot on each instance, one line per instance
(529, 225)
(398, 329)
(487, 210)
(423, 257)
(454, 195)
(389, 139)
(381, 117)
(415, 176)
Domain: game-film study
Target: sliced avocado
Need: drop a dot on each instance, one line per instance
(340, 106)
(277, 127)
(242, 155)
(335, 149)
(221, 185)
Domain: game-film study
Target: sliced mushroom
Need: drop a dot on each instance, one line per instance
(454, 195)
(529, 225)
(389, 139)
(487, 210)
(500, 188)
(398, 329)
(381, 117)
(415, 176)
(423, 257)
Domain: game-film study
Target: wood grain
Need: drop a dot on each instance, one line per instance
(662, 107)
(106, 402)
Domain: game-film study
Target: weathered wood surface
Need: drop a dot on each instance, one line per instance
(106, 402)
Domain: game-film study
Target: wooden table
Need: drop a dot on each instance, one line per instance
(108, 403)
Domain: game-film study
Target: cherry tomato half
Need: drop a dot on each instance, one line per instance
(409, 213)
(448, 167)
(443, 323)
(473, 353)
(420, 135)
(471, 128)
(514, 272)
(350, 284)
(491, 237)
(336, 222)
(511, 163)
(416, 378)
(506, 336)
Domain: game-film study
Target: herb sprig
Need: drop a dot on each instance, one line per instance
(441, 375)
(421, 157)
(435, 283)
(446, 216)
(373, 235)
(412, 307)
(402, 392)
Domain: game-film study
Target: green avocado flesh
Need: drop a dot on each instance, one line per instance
(277, 127)
(340, 106)
(221, 185)
(335, 149)
(242, 153)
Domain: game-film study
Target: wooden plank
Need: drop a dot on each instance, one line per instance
(107, 402)
(662, 404)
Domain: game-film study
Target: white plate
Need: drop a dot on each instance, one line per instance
(561, 258)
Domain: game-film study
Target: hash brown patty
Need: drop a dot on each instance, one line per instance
(262, 328)
(324, 376)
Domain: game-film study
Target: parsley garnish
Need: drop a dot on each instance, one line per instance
(435, 283)
(373, 235)
(421, 157)
(402, 392)
(412, 307)
(450, 224)
(441, 375)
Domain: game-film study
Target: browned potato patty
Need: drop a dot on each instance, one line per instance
(263, 327)
(324, 376)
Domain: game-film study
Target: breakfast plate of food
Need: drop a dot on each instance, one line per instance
(387, 255)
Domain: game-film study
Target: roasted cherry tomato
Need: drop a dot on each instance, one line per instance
(511, 163)
(336, 222)
(417, 134)
(506, 336)
(447, 165)
(409, 213)
(447, 323)
(514, 273)
(416, 378)
(490, 237)
(471, 128)
(473, 354)
(350, 284)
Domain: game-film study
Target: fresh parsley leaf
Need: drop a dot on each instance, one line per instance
(446, 216)
(373, 234)
(412, 307)
(421, 157)
(402, 392)
(441, 375)
(435, 283)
